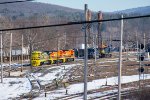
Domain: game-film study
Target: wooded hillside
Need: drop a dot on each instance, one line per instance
(36, 14)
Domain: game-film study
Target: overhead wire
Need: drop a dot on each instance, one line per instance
(18, 1)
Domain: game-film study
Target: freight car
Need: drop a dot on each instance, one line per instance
(100, 53)
(79, 53)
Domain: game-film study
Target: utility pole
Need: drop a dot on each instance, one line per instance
(57, 51)
(120, 61)
(137, 44)
(144, 42)
(95, 36)
(99, 33)
(65, 41)
(57, 47)
(110, 41)
(10, 50)
(31, 55)
(22, 53)
(1, 58)
(127, 47)
(85, 55)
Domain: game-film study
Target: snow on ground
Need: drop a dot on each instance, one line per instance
(17, 86)
(110, 60)
(147, 59)
(56, 72)
(95, 84)
(13, 87)
(18, 73)
(14, 64)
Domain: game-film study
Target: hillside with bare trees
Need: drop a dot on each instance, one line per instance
(37, 14)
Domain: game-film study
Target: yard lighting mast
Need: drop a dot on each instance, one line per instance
(85, 54)
(1, 58)
(120, 61)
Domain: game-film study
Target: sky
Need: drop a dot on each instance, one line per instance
(100, 5)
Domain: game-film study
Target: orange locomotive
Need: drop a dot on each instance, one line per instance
(69, 55)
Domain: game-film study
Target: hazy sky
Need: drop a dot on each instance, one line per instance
(96, 5)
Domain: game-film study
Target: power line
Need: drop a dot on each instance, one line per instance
(75, 23)
(15, 1)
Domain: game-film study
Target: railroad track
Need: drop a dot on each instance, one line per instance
(70, 96)
(35, 89)
(76, 95)
(112, 96)
(35, 84)
(109, 96)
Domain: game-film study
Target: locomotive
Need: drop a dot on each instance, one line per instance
(39, 58)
